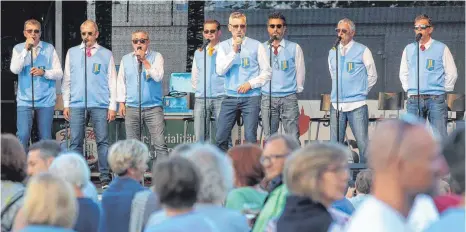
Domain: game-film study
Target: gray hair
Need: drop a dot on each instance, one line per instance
(216, 171)
(364, 181)
(349, 22)
(291, 143)
(72, 167)
(126, 154)
(47, 148)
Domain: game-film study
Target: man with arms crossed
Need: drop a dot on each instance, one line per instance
(244, 63)
(151, 92)
(46, 70)
(356, 76)
(288, 72)
(101, 94)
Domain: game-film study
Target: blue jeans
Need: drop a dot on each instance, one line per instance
(213, 110)
(44, 119)
(434, 108)
(98, 118)
(249, 107)
(285, 108)
(359, 122)
(153, 117)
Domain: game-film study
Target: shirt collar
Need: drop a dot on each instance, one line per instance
(281, 44)
(147, 52)
(96, 46)
(39, 45)
(427, 45)
(347, 46)
(242, 43)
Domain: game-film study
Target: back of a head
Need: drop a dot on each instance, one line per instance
(454, 152)
(216, 172)
(363, 182)
(50, 200)
(129, 153)
(72, 167)
(176, 182)
(13, 159)
(246, 163)
(47, 148)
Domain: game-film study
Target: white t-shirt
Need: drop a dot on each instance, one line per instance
(422, 214)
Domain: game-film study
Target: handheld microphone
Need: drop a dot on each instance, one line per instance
(29, 47)
(239, 40)
(272, 39)
(204, 45)
(418, 37)
(337, 41)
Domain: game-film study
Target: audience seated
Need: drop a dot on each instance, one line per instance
(13, 174)
(363, 186)
(74, 169)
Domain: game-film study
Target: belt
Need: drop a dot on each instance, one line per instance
(424, 96)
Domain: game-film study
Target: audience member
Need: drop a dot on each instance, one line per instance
(363, 186)
(128, 160)
(49, 204)
(277, 148)
(13, 173)
(351, 191)
(73, 168)
(406, 160)
(453, 219)
(248, 194)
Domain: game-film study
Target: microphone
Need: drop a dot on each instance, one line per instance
(418, 37)
(204, 45)
(30, 47)
(238, 41)
(139, 48)
(272, 39)
(337, 41)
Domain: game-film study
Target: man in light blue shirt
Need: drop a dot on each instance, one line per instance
(46, 71)
(244, 63)
(288, 73)
(101, 94)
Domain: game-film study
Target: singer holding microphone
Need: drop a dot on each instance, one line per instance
(288, 73)
(437, 75)
(150, 64)
(244, 63)
(356, 76)
(100, 89)
(36, 85)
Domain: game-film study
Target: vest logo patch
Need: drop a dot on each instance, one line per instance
(284, 65)
(350, 67)
(245, 62)
(96, 68)
(430, 64)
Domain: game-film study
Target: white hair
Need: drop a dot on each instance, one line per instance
(216, 170)
(349, 22)
(72, 167)
(127, 154)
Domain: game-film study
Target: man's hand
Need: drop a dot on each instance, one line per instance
(244, 88)
(29, 41)
(66, 114)
(141, 55)
(111, 115)
(37, 72)
(122, 110)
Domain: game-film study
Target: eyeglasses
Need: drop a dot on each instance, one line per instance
(421, 27)
(210, 31)
(269, 158)
(89, 33)
(29, 31)
(242, 26)
(344, 31)
(142, 41)
(277, 25)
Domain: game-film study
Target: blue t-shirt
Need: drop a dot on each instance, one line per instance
(344, 205)
(452, 220)
(88, 217)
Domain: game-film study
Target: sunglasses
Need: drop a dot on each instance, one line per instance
(242, 26)
(142, 41)
(277, 25)
(421, 27)
(88, 33)
(268, 159)
(344, 31)
(35, 31)
(210, 31)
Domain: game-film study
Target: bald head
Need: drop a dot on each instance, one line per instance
(406, 152)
